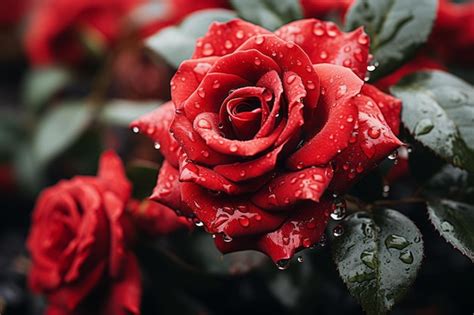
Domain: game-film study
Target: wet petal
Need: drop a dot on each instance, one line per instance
(224, 38)
(207, 125)
(232, 216)
(325, 43)
(390, 106)
(334, 118)
(156, 125)
(289, 188)
(370, 143)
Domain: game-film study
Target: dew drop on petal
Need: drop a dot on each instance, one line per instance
(373, 132)
(207, 49)
(338, 230)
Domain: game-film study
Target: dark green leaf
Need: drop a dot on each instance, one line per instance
(378, 257)
(42, 84)
(176, 43)
(454, 221)
(438, 110)
(453, 183)
(397, 28)
(123, 112)
(271, 14)
(59, 128)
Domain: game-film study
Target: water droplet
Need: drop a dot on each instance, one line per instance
(309, 68)
(257, 61)
(318, 29)
(198, 223)
(359, 168)
(447, 227)
(341, 91)
(259, 39)
(338, 209)
(207, 49)
(239, 34)
(226, 238)
(300, 259)
(363, 39)
(202, 123)
(283, 264)
(347, 63)
(258, 217)
(290, 44)
(244, 221)
(216, 84)
(393, 155)
(307, 242)
(406, 257)
(373, 132)
(368, 258)
(370, 68)
(338, 230)
(396, 241)
(233, 148)
(228, 44)
(385, 191)
(310, 85)
(424, 127)
(201, 93)
(291, 79)
(347, 48)
(205, 153)
(323, 55)
(157, 146)
(135, 129)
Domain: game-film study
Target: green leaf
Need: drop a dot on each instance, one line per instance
(176, 43)
(271, 14)
(454, 221)
(438, 110)
(378, 257)
(42, 84)
(143, 175)
(59, 128)
(123, 112)
(397, 28)
(453, 183)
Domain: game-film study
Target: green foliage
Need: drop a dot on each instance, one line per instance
(378, 257)
(397, 28)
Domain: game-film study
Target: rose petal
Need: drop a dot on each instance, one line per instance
(289, 57)
(224, 38)
(334, 118)
(156, 125)
(156, 219)
(249, 65)
(114, 208)
(242, 171)
(207, 178)
(295, 93)
(168, 189)
(210, 94)
(390, 106)
(69, 296)
(206, 124)
(188, 77)
(372, 141)
(125, 293)
(325, 43)
(232, 216)
(289, 188)
(302, 229)
(272, 82)
(193, 145)
(112, 171)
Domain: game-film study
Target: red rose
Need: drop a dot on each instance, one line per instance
(78, 245)
(12, 11)
(156, 219)
(264, 127)
(57, 28)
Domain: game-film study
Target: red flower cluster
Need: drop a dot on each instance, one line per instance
(58, 28)
(264, 127)
(80, 243)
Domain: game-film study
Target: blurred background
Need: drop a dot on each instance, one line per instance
(74, 74)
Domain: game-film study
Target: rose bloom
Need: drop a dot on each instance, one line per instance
(79, 245)
(264, 128)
